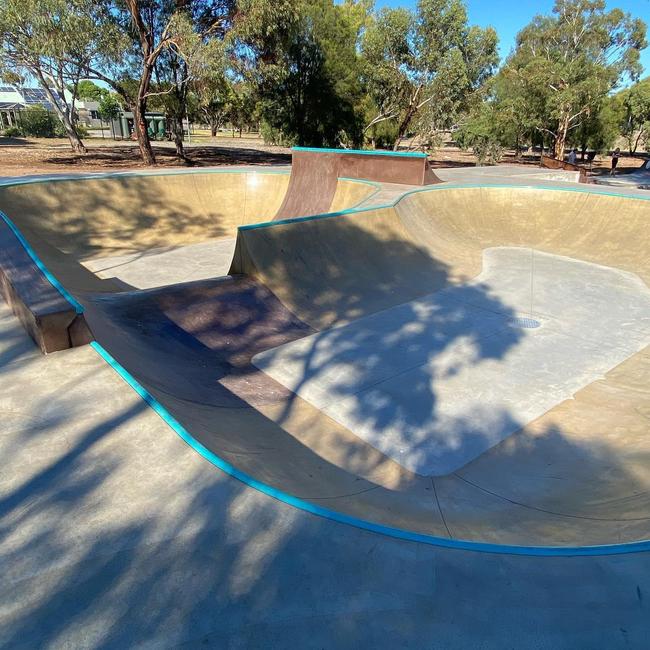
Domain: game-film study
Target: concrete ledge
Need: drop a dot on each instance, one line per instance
(49, 318)
(553, 163)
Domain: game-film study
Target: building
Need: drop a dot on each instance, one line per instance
(14, 99)
(124, 126)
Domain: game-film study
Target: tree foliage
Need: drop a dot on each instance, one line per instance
(422, 68)
(336, 72)
(52, 41)
(634, 112)
(565, 64)
(306, 69)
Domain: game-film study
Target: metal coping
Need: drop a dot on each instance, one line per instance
(364, 152)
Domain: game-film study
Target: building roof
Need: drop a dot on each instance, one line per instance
(22, 97)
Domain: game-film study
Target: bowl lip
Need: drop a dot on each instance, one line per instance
(333, 515)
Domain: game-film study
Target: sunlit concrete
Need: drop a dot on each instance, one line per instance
(162, 267)
(434, 382)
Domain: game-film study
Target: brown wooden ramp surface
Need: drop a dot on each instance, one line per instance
(315, 172)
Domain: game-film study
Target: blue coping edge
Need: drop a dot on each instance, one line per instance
(78, 307)
(364, 152)
(301, 504)
(42, 268)
(437, 188)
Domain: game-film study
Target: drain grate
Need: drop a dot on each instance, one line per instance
(526, 323)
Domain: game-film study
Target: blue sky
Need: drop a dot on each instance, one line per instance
(509, 16)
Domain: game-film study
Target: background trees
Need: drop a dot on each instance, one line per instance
(337, 73)
(421, 68)
(306, 70)
(634, 112)
(50, 41)
(567, 63)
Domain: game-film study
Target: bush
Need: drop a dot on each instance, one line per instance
(60, 132)
(37, 122)
(487, 151)
(383, 135)
(12, 132)
(274, 136)
(482, 133)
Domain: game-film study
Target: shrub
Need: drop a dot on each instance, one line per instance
(60, 132)
(274, 136)
(12, 132)
(37, 122)
(487, 151)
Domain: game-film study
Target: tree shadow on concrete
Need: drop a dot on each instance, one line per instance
(115, 534)
(124, 537)
(192, 346)
(122, 215)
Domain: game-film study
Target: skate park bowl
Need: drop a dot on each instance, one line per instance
(136, 231)
(468, 366)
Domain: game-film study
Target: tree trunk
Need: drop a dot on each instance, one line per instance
(517, 148)
(213, 130)
(75, 141)
(177, 123)
(140, 122)
(560, 138)
(408, 118)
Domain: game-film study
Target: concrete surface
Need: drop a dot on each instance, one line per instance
(114, 534)
(160, 267)
(639, 179)
(449, 345)
(191, 345)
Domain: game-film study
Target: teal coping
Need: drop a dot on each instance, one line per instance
(364, 152)
(333, 515)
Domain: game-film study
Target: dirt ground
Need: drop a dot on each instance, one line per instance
(22, 156)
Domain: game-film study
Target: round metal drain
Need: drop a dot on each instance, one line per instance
(526, 323)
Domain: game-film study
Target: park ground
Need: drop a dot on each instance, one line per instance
(24, 156)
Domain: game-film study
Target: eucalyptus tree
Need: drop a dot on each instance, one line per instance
(635, 114)
(52, 42)
(565, 64)
(303, 58)
(422, 68)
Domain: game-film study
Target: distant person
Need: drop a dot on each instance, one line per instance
(573, 156)
(615, 156)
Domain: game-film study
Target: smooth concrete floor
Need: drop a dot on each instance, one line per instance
(115, 534)
(161, 267)
(490, 377)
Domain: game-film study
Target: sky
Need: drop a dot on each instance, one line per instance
(509, 16)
